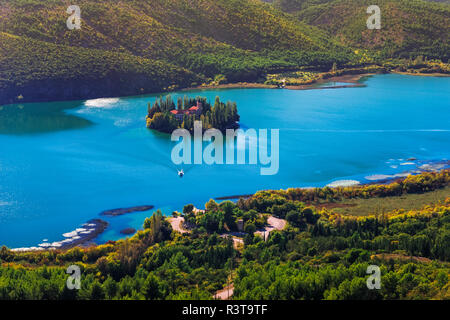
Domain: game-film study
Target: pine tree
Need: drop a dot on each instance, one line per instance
(180, 104)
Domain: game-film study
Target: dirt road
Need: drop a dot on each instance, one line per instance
(225, 293)
(177, 224)
(272, 224)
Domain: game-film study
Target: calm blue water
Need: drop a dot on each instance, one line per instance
(61, 164)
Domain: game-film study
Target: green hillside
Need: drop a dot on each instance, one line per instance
(156, 28)
(38, 70)
(207, 37)
(144, 46)
(409, 27)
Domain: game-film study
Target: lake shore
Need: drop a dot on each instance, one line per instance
(442, 75)
(80, 237)
(375, 179)
(354, 80)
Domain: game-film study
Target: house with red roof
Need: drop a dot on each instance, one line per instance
(196, 110)
(192, 111)
(178, 114)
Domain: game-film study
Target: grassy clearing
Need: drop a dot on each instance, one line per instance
(362, 207)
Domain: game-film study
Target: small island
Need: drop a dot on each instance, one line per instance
(164, 116)
(122, 211)
(128, 231)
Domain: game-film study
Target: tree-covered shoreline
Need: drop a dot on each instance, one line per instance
(128, 48)
(321, 254)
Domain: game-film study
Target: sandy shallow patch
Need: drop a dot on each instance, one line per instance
(343, 183)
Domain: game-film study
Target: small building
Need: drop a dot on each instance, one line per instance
(192, 111)
(178, 114)
(196, 110)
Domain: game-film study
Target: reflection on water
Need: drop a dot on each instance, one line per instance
(39, 118)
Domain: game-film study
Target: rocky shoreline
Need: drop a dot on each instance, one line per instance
(122, 211)
(79, 237)
(128, 231)
(89, 231)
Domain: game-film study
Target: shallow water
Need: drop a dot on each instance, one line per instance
(63, 163)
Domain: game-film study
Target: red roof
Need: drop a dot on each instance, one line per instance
(174, 111)
(193, 108)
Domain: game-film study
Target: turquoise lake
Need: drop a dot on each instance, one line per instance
(63, 163)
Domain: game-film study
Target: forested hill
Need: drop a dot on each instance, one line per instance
(409, 27)
(40, 70)
(207, 37)
(141, 46)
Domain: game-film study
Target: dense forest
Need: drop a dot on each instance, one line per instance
(41, 69)
(133, 47)
(205, 37)
(221, 116)
(319, 255)
(410, 28)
